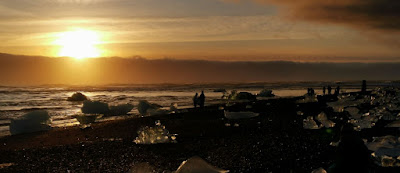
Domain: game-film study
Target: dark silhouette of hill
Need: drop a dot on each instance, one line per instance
(33, 70)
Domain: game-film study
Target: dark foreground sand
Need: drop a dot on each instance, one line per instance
(273, 142)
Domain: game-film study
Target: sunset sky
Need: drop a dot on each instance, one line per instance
(244, 30)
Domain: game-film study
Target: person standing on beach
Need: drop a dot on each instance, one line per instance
(195, 100)
(329, 90)
(202, 99)
(337, 90)
(323, 90)
(364, 86)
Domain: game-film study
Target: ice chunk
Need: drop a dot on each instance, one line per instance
(394, 124)
(354, 112)
(86, 119)
(266, 93)
(198, 165)
(309, 123)
(154, 135)
(31, 122)
(387, 161)
(95, 107)
(173, 107)
(240, 115)
(323, 119)
(308, 99)
(319, 170)
(144, 106)
(121, 109)
(77, 97)
(385, 145)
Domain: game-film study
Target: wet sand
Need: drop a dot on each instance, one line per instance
(274, 141)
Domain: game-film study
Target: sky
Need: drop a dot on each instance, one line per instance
(215, 30)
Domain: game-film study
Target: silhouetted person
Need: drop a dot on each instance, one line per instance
(195, 100)
(323, 90)
(202, 99)
(337, 90)
(312, 92)
(352, 155)
(364, 86)
(329, 90)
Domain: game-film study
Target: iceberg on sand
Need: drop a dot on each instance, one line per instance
(31, 122)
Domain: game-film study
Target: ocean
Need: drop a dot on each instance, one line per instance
(17, 101)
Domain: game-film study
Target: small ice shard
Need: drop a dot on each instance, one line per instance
(266, 93)
(240, 115)
(249, 106)
(309, 123)
(95, 107)
(300, 113)
(121, 109)
(387, 161)
(319, 170)
(31, 122)
(198, 165)
(154, 135)
(173, 107)
(323, 119)
(144, 106)
(77, 97)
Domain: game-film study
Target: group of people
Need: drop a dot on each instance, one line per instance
(199, 100)
(337, 90)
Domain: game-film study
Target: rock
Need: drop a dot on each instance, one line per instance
(77, 97)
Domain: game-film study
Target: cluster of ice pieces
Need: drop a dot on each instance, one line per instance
(386, 150)
(154, 135)
(310, 123)
(365, 110)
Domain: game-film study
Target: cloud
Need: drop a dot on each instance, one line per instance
(364, 14)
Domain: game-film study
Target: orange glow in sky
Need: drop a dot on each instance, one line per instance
(79, 44)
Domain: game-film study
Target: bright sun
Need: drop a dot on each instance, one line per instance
(79, 44)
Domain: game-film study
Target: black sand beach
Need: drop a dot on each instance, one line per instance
(275, 141)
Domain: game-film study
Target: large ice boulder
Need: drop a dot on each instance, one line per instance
(266, 93)
(31, 122)
(77, 97)
(121, 109)
(95, 107)
(144, 107)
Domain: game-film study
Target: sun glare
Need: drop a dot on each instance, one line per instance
(79, 44)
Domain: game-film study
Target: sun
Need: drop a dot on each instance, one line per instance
(78, 44)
